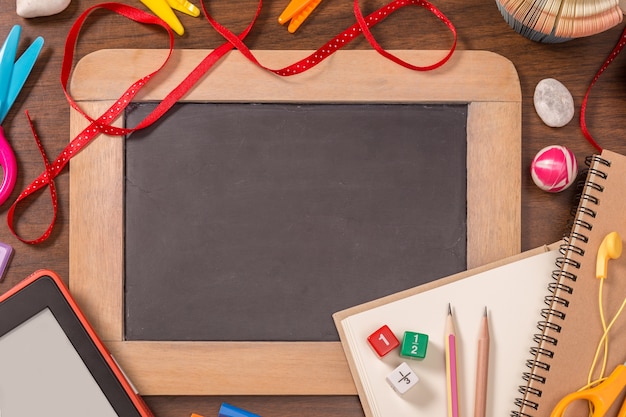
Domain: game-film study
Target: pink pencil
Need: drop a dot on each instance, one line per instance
(451, 367)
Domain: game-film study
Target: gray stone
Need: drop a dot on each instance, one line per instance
(37, 8)
(553, 102)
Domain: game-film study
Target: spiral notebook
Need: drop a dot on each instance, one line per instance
(513, 291)
(562, 353)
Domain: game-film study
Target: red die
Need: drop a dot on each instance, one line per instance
(383, 340)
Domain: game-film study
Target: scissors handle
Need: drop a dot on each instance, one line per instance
(601, 396)
(9, 168)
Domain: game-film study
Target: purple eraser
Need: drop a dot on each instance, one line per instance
(6, 253)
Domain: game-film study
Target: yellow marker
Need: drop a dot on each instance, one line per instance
(164, 10)
(296, 12)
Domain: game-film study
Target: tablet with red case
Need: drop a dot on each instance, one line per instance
(52, 362)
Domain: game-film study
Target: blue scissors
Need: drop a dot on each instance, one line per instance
(13, 75)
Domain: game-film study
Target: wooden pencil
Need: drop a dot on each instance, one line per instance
(482, 368)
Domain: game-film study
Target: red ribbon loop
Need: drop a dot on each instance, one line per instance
(47, 178)
(372, 19)
(344, 38)
(583, 108)
(103, 124)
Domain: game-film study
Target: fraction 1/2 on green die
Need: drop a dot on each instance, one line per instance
(414, 345)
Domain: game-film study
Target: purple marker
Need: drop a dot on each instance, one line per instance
(6, 253)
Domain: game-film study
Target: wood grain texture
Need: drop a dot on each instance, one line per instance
(493, 125)
(235, 78)
(97, 205)
(221, 368)
(480, 27)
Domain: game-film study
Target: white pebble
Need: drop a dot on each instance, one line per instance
(37, 8)
(553, 102)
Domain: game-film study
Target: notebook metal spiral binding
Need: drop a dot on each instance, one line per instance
(573, 246)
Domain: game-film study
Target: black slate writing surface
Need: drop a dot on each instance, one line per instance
(258, 221)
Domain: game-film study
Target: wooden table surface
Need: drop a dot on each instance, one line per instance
(480, 27)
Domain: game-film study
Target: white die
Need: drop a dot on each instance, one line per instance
(402, 378)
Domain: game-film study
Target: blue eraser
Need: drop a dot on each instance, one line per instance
(227, 410)
(6, 253)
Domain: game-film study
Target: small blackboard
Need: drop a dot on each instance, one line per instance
(361, 191)
(259, 221)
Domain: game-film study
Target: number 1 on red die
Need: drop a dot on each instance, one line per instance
(383, 341)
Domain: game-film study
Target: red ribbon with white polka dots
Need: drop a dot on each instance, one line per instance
(583, 108)
(103, 124)
(362, 26)
(97, 126)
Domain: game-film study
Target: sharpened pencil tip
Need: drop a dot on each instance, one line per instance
(485, 313)
(449, 309)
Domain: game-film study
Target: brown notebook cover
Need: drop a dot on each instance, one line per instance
(570, 326)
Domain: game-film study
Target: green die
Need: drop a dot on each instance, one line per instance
(414, 345)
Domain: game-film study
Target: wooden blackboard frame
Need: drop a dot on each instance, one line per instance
(486, 82)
